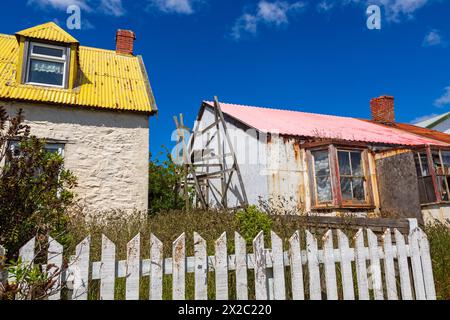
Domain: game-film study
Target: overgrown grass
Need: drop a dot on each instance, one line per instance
(167, 226)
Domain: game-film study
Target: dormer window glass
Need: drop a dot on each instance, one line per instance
(46, 65)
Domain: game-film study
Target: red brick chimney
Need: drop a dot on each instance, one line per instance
(383, 109)
(125, 41)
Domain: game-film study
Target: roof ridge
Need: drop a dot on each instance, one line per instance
(284, 110)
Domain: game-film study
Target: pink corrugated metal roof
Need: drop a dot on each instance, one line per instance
(298, 123)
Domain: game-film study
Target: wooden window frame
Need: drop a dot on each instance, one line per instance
(337, 199)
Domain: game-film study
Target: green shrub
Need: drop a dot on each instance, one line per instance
(439, 238)
(251, 221)
(34, 188)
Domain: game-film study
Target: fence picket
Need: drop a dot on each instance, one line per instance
(26, 254)
(427, 266)
(361, 267)
(402, 258)
(221, 267)
(201, 268)
(80, 268)
(107, 269)
(389, 269)
(241, 267)
(375, 266)
(3, 273)
(416, 264)
(315, 292)
(156, 268)
(179, 267)
(55, 260)
(346, 266)
(261, 289)
(133, 268)
(329, 262)
(295, 259)
(279, 284)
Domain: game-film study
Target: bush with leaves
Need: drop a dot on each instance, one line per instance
(164, 192)
(251, 221)
(34, 187)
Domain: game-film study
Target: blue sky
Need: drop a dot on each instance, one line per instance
(315, 56)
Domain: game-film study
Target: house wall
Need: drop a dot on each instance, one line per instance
(107, 151)
(439, 212)
(251, 156)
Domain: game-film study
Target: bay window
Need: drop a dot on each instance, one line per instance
(339, 177)
(433, 172)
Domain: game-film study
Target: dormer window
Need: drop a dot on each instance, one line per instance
(47, 65)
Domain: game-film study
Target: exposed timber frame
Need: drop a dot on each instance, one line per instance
(205, 167)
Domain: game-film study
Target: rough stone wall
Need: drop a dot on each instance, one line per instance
(108, 151)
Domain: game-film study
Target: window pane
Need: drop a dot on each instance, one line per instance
(346, 188)
(344, 163)
(46, 72)
(443, 187)
(429, 189)
(418, 170)
(321, 163)
(53, 52)
(323, 188)
(358, 189)
(425, 168)
(446, 160)
(356, 164)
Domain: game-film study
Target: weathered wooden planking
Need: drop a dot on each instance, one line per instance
(80, 269)
(107, 269)
(295, 260)
(346, 266)
(389, 268)
(427, 268)
(241, 267)
(361, 267)
(133, 268)
(375, 267)
(221, 267)
(329, 263)
(402, 258)
(261, 290)
(201, 268)
(279, 284)
(55, 261)
(179, 268)
(416, 264)
(156, 268)
(315, 292)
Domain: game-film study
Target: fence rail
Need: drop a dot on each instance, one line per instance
(387, 267)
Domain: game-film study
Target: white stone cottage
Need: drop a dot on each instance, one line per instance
(91, 105)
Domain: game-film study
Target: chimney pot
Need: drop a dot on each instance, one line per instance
(125, 41)
(382, 109)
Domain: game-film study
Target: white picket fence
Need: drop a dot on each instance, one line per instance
(384, 270)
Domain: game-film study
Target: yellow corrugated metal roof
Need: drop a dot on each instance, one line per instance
(48, 31)
(107, 80)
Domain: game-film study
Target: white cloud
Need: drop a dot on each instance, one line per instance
(325, 6)
(175, 6)
(112, 7)
(444, 99)
(59, 4)
(433, 38)
(269, 13)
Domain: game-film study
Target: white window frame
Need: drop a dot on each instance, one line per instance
(32, 55)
